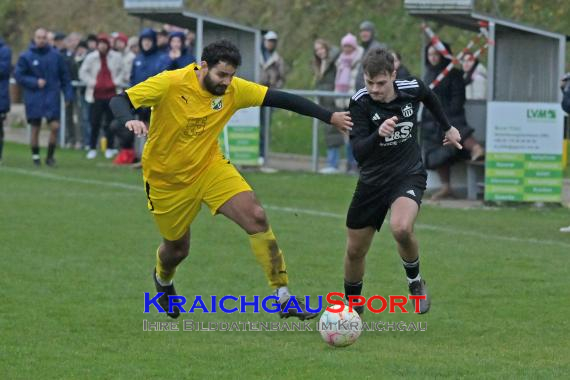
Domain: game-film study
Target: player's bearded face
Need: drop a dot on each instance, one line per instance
(380, 87)
(218, 78)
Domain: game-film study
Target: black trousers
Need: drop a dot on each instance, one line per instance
(2, 117)
(126, 138)
(101, 116)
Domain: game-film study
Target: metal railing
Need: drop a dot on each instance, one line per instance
(314, 95)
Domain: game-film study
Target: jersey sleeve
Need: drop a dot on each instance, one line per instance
(249, 94)
(363, 142)
(149, 92)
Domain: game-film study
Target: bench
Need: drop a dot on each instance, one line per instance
(467, 179)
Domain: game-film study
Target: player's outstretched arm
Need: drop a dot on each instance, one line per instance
(124, 113)
(300, 105)
(452, 136)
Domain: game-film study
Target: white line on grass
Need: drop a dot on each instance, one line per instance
(429, 227)
(305, 212)
(293, 210)
(85, 181)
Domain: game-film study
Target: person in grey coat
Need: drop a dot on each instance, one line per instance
(324, 69)
(367, 41)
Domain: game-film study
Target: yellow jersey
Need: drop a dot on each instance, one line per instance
(185, 123)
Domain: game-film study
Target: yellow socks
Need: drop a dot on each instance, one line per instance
(164, 275)
(268, 254)
(266, 251)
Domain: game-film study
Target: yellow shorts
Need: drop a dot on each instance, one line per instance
(174, 210)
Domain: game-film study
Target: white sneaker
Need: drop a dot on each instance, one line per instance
(329, 170)
(565, 229)
(110, 153)
(91, 154)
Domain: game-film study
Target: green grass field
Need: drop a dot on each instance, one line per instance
(292, 133)
(77, 249)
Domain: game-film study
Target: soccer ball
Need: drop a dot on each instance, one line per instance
(340, 329)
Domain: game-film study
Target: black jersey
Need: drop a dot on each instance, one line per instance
(386, 159)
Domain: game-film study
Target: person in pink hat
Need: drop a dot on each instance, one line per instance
(347, 68)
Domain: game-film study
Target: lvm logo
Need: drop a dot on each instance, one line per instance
(540, 114)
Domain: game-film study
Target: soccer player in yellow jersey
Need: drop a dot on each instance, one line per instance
(183, 166)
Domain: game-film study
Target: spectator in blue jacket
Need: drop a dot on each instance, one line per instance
(5, 68)
(43, 74)
(149, 61)
(178, 55)
(162, 37)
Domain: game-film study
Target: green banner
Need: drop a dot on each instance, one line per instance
(239, 140)
(241, 145)
(523, 177)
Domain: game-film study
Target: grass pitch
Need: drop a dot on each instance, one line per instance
(77, 247)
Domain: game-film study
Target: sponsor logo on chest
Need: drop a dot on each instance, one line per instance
(402, 133)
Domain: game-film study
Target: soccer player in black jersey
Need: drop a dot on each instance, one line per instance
(392, 174)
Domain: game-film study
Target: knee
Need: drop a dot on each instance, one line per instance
(259, 219)
(355, 252)
(401, 231)
(179, 251)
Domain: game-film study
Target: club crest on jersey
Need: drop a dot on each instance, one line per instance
(407, 110)
(217, 104)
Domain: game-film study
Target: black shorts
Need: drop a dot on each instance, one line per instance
(370, 203)
(38, 121)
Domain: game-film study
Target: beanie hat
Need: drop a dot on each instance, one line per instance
(350, 40)
(367, 25)
(104, 37)
(121, 37)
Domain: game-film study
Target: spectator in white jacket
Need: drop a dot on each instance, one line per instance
(120, 45)
(474, 77)
(102, 71)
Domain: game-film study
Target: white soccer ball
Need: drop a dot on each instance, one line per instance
(340, 329)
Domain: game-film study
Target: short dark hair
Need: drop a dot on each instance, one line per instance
(378, 61)
(221, 51)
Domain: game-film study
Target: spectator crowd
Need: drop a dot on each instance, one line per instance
(88, 71)
(102, 65)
